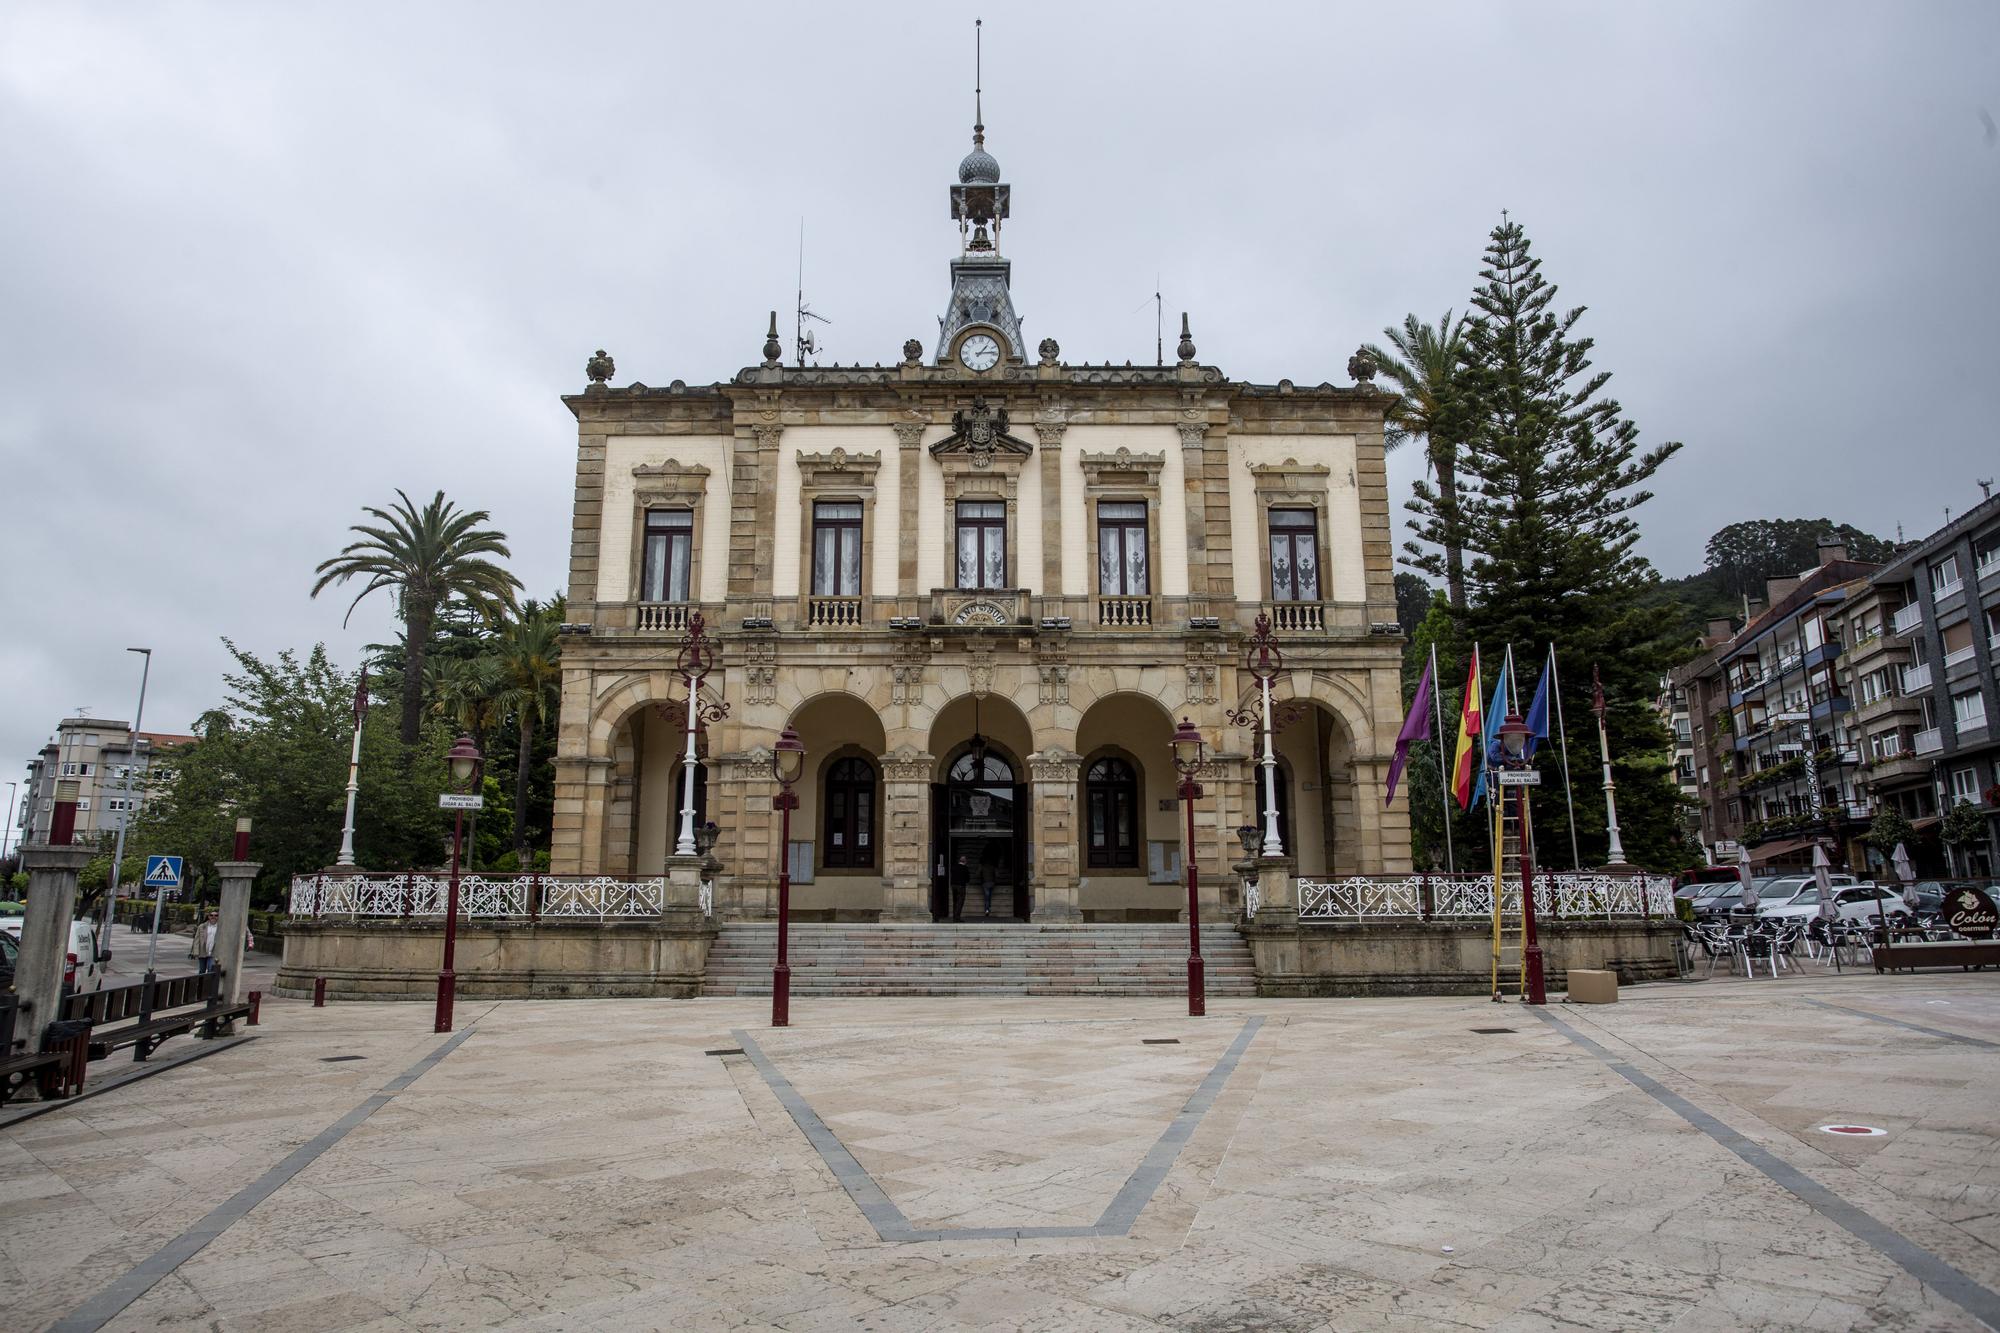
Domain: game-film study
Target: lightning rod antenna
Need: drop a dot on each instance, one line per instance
(1159, 325)
(978, 54)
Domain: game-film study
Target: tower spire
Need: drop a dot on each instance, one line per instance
(978, 53)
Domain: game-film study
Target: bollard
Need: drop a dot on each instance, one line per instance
(256, 1003)
(319, 992)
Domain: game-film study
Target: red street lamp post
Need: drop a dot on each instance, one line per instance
(1190, 757)
(788, 762)
(465, 765)
(1514, 734)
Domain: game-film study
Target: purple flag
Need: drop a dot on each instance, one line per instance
(1414, 727)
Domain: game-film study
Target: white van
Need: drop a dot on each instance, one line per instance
(85, 967)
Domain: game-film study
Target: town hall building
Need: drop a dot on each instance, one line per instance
(983, 585)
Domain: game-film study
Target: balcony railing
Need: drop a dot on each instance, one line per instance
(1939, 593)
(1957, 656)
(669, 616)
(1308, 616)
(533, 896)
(1907, 619)
(1125, 612)
(1362, 898)
(1916, 676)
(833, 612)
(1927, 742)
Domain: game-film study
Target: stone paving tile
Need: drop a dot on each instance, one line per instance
(1372, 1164)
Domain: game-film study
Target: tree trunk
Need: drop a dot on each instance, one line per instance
(417, 618)
(527, 736)
(1444, 460)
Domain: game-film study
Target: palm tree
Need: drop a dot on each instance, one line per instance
(531, 672)
(1424, 368)
(428, 557)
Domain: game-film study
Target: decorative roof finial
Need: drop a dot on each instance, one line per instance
(1186, 350)
(773, 349)
(978, 52)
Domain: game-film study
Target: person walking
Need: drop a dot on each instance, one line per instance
(986, 877)
(961, 874)
(204, 944)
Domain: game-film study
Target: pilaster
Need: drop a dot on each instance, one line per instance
(1050, 424)
(1053, 889)
(906, 795)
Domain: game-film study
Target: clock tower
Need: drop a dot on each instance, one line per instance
(979, 328)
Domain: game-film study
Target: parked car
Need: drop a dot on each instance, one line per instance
(1856, 903)
(1784, 890)
(1931, 893)
(10, 950)
(1727, 898)
(85, 967)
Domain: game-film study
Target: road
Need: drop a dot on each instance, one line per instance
(128, 959)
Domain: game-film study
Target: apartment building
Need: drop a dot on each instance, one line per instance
(111, 766)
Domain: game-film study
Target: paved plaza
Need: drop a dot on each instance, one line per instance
(964, 1163)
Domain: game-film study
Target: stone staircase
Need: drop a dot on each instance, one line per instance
(978, 959)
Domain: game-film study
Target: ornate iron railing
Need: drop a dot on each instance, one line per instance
(564, 897)
(1558, 895)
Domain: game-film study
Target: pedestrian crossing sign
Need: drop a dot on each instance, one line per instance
(163, 872)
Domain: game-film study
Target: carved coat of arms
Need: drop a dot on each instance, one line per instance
(981, 431)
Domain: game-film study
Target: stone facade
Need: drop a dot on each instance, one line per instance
(834, 517)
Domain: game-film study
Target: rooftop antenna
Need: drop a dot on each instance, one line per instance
(1987, 486)
(978, 52)
(807, 346)
(1159, 325)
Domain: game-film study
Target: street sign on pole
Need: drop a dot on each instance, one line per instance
(452, 800)
(164, 873)
(1521, 778)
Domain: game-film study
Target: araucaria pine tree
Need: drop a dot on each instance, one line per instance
(1550, 472)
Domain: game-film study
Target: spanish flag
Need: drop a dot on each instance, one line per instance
(1465, 759)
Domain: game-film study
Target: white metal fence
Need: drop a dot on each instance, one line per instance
(1565, 895)
(562, 897)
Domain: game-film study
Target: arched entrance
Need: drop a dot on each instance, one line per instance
(980, 817)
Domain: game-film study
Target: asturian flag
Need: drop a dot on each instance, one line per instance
(1465, 758)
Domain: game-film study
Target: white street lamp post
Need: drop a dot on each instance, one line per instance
(697, 658)
(125, 814)
(346, 857)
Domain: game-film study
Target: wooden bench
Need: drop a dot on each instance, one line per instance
(1937, 953)
(142, 1015)
(57, 1068)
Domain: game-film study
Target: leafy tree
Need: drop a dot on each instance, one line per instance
(1550, 473)
(1413, 602)
(1890, 829)
(1742, 556)
(1963, 825)
(1425, 369)
(277, 751)
(529, 656)
(430, 557)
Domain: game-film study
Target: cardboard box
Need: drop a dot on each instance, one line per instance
(1587, 986)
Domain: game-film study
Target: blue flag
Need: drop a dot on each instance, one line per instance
(1495, 715)
(1538, 715)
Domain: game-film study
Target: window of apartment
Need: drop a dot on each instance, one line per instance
(668, 556)
(1121, 549)
(1965, 784)
(1815, 633)
(1987, 554)
(836, 568)
(1111, 805)
(1294, 555)
(1735, 810)
(1957, 642)
(1993, 622)
(1968, 710)
(1885, 744)
(83, 803)
(850, 814)
(982, 544)
(1944, 575)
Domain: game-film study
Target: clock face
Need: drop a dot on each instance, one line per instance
(979, 352)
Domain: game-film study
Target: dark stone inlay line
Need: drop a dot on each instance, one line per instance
(1980, 1302)
(1911, 1027)
(107, 1304)
(888, 1220)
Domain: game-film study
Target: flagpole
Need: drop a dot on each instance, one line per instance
(1513, 683)
(1562, 735)
(1444, 783)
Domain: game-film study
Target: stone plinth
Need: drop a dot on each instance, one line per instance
(1444, 958)
(386, 960)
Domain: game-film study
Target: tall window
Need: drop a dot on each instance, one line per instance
(1111, 806)
(1968, 711)
(1965, 784)
(663, 575)
(982, 544)
(1121, 549)
(836, 549)
(1294, 556)
(1944, 574)
(850, 815)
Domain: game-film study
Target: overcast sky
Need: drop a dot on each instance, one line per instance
(263, 264)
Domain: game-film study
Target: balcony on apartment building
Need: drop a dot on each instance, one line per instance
(1927, 742)
(1916, 676)
(1988, 570)
(1906, 620)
